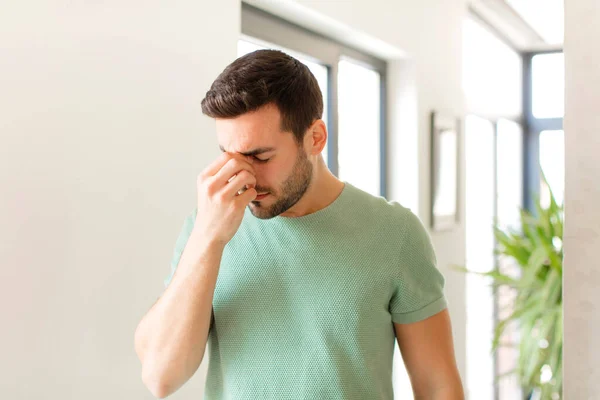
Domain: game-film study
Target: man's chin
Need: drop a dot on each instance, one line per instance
(260, 212)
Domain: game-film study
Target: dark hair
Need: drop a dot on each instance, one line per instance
(263, 77)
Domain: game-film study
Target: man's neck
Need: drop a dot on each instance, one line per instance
(323, 191)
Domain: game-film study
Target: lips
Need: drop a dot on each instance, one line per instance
(261, 196)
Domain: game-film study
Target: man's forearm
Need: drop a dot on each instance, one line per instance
(452, 391)
(171, 338)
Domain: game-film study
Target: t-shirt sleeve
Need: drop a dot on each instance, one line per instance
(182, 239)
(419, 285)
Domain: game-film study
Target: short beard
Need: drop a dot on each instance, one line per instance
(294, 187)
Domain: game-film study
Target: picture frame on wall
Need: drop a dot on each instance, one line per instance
(445, 139)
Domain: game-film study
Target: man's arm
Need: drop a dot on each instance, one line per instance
(428, 353)
(171, 338)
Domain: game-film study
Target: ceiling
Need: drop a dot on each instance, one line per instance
(528, 25)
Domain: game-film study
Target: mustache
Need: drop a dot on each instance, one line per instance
(261, 189)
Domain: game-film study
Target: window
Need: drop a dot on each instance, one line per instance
(544, 111)
(359, 133)
(503, 86)
(510, 172)
(547, 75)
(509, 201)
(493, 84)
(493, 196)
(552, 163)
(480, 193)
(353, 87)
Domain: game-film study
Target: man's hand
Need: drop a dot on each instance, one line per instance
(225, 188)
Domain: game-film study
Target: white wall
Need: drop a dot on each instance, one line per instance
(582, 196)
(102, 138)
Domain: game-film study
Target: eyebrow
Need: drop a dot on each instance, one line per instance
(254, 152)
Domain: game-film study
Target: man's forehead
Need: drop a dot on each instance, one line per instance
(244, 142)
(233, 142)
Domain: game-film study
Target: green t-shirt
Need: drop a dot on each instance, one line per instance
(304, 307)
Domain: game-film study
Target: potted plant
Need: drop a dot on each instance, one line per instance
(535, 250)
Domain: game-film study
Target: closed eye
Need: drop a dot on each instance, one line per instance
(261, 161)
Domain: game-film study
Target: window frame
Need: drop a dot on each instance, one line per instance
(258, 25)
(533, 127)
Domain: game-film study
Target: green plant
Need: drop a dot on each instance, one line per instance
(536, 249)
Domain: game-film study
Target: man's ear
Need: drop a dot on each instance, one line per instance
(316, 137)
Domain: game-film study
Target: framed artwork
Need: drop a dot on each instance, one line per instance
(445, 136)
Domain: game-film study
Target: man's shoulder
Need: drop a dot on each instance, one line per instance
(387, 216)
(377, 206)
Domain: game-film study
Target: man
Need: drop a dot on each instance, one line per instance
(298, 282)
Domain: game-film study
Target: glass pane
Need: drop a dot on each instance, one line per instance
(552, 163)
(479, 152)
(359, 128)
(492, 73)
(548, 85)
(509, 175)
(546, 17)
(510, 172)
(319, 71)
(444, 202)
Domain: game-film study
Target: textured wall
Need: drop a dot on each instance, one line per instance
(582, 213)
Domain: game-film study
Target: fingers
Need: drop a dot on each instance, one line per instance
(216, 165)
(233, 167)
(241, 180)
(247, 196)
